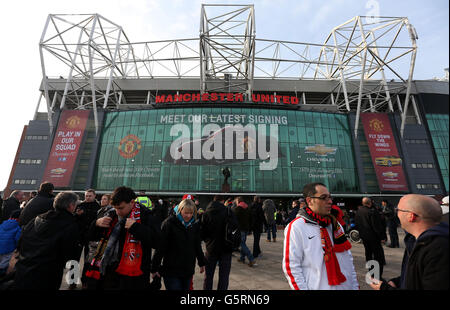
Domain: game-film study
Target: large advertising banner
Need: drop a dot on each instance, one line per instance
(383, 149)
(266, 150)
(66, 145)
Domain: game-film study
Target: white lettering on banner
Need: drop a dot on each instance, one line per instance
(65, 147)
(324, 159)
(224, 118)
(131, 172)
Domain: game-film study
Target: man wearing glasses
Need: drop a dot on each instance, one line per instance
(316, 252)
(372, 232)
(425, 262)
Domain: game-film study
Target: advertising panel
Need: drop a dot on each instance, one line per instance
(187, 149)
(384, 153)
(66, 145)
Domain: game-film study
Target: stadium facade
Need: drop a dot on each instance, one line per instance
(168, 116)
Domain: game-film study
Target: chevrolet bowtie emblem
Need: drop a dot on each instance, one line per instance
(320, 149)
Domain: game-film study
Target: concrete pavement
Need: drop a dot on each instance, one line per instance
(268, 275)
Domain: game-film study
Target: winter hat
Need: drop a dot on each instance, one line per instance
(243, 205)
(188, 196)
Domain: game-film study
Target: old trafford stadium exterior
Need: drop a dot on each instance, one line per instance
(169, 117)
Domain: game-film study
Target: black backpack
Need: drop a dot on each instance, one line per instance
(232, 232)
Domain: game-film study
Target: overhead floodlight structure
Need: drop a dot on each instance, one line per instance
(227, 48)
(92, 48)
(359, 56)
(360, 52)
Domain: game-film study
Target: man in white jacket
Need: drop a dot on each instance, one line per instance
(316, 252)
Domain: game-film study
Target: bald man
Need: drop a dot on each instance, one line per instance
(425, 262)
(372, 232)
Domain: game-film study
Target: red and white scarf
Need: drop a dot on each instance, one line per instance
(131, 260)
(341, 244)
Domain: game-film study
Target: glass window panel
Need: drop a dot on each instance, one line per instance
(128, 118)
(300, 118)
(142, 133)
(152, 117)
(268, 182)
(301, 134)
(143, 118)
(310, 136)
(293, 137)
(318, 135)
(291, 118)
(317, 118)
(326, 136)
(283, 133)
(309, 122)
(159, 133)
(334, 137)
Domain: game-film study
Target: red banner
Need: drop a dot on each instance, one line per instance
(66, 145)
(383, 149)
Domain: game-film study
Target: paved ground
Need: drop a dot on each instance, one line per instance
(268, 275)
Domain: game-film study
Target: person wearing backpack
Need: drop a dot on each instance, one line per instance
(213, 232)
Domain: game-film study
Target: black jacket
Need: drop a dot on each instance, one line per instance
(369, 224)
(88, 216)
(179, 248)
(148, 232)
(292, 215)
(46, 244)
(160, 211)
(243, 217)
(445, 218)
(40, 204)
(400, 281)
(425, 261)
(428, 263)
(9, 206)
(213, 229)
(256, 217)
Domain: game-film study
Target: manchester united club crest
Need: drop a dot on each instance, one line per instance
(73, 122)
(129, 146)
(376, 125)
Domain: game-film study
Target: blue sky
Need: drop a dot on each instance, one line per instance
(310, 21)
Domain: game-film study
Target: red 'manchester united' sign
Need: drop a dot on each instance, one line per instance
(66, 145)
(384, 153)
(225, 97)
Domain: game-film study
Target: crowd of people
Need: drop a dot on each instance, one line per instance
(128, 241)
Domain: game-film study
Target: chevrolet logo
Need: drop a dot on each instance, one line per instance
(390, 174)
(320, 149)
(58, 171)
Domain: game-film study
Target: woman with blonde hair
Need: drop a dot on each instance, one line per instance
(180, 246)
